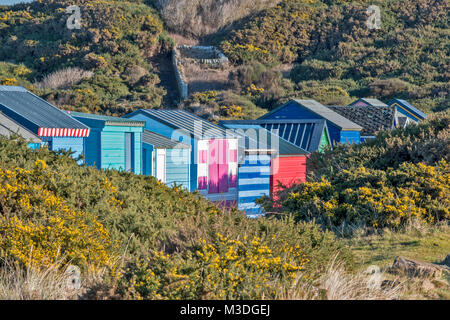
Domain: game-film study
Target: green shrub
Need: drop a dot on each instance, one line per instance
(400, 177)
(115, 36)
(144, 217)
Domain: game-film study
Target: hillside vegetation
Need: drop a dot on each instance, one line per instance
(400, 178)
(314, 49)
(113, 49)
(203, 17)
(134, 237)
(337, 57)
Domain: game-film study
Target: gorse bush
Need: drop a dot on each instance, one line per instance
(224, 269)
(122, 222)
(115, 37)
(37, 228)
(428, 142)
(377, 198)
(400, 177)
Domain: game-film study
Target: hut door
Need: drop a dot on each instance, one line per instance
(129, 152)
(218, 166)
(161, 165)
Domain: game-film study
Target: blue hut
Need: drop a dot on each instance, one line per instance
(264, 160)
(213, 163)
(340, 129)
(166, 159)
(372, 119)
(114, 143)
(54, 127)
(9, 127)
(405, 112)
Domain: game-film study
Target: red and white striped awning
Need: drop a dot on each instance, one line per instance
(63, 132)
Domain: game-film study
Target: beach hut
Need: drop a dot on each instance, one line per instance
(310, 135)
(213, 163)
(56, 129)
(406, 113)
(283, 119)
(371, 118)
(166, 159)
(114, 143)
(9, 127)
(266, 162)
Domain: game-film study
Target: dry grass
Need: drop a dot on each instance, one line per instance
(339, 284)
(182, 40)
(64, 78)
(203, 17)
(17, 283)
(202, 79)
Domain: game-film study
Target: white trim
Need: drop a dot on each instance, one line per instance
(161, 165)
(203, 145)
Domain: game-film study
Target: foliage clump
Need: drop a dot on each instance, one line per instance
(399, 178)
(123, 222)
(331, 46)
(115, 39)
(38, 228)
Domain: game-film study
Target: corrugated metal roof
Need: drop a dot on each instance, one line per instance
(304, 134)
(162, 142)
(193, 125)
(372, 119)
(410, 106)
(108, 120)
(259, 138)
(9, 126)
(36, 110)
(370, 102)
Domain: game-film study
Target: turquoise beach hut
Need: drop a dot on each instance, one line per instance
(114, 143)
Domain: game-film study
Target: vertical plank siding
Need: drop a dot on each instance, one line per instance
(287, 171)
(137, 152)
(177, 167)
(93, 149)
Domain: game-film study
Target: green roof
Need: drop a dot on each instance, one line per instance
(109, 120)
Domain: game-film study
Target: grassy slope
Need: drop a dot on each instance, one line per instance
(431, 244)
(335, 57)
(117, 41)
(338, 58)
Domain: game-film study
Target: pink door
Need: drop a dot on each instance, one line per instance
(213, 167)
(223, 166)
(218, 166)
